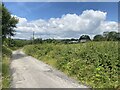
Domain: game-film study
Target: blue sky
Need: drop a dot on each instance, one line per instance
(63, 19)
(33, 11)
(61, 0)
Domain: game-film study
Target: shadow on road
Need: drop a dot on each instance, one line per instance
(17, 55)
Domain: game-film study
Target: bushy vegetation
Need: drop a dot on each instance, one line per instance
(6, 54)
(18, 43)
(7, 29)
(8, 23)
(15, 44)
(91, 63)
(108, 36)
(6, 51)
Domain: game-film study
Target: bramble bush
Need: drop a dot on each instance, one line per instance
(93, 63)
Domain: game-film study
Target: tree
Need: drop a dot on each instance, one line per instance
(111, 36)
(38, 41)
(0, 24)
(8, 23)
(118, 36)
(98, 38)
(85, 37)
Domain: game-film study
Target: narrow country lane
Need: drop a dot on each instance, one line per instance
(28, 72)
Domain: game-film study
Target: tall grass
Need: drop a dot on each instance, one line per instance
(6, 54)
(94, 63)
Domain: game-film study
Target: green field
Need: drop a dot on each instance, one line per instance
(93, 63)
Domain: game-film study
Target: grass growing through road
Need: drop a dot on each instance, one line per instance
(92, 63)
(6, 53)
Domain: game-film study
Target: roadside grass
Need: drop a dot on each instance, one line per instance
(95, 64)
(0, 73)
(6, 54)
(5, 72)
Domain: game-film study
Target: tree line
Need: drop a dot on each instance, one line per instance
(108, 36)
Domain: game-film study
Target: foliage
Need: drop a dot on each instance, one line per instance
(8, 23)
(15, 44)
(113, 36)
(20, 43)
(107, 36)
(0, 19)
(6, 51)
(38, 41)
(98, 38)
(92, 63)
(51, 41)
(85, 37)
(6, 54)
(5, 72)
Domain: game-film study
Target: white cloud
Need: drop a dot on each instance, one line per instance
(68, 26)
(21, 20)
(108, 26)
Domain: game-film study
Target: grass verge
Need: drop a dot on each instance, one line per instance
(6, 54)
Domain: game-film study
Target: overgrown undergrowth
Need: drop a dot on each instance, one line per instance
(94, 63)
(6, 54)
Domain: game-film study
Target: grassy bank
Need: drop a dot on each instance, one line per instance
(6, 54)
(92, 63)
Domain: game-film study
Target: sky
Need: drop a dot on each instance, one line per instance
(60, 0)
(63, 19)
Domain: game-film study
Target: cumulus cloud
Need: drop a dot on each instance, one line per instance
(68, 26)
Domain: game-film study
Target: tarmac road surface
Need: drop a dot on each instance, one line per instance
(28, 72)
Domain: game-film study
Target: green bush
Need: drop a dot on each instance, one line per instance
(6, 51)
(93, 63)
